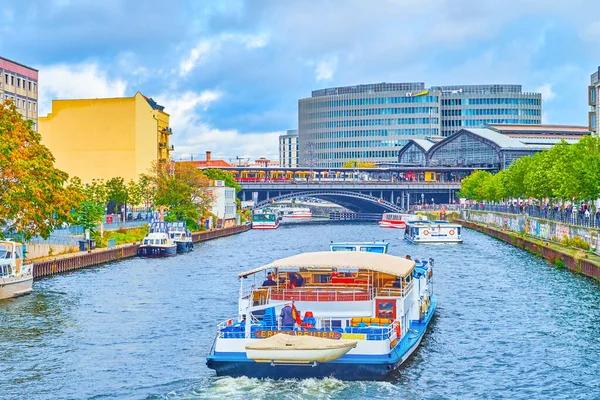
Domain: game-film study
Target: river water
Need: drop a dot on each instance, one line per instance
(509, 325)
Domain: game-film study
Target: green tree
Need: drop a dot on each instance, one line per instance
(134, 193)
(184, 189)
(117, 192)
(34, 197)
(147, 188)
(89, 215)
(473, 186)
(221, 175)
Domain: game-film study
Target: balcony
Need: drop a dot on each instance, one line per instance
(162, 145)
(167, 130)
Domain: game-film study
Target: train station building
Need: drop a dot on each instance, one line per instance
(494, 147)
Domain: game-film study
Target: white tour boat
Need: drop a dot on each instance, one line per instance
(365, 313)
(265, 220)
(16, 277)
(398, 220)
(294, 213)
(433, 232)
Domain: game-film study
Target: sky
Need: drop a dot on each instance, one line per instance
(230, 72)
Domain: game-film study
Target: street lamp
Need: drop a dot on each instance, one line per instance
(422, 198)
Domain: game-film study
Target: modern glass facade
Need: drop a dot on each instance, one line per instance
(373, 122)
(288, 149)
(479, 105)
(364, 122)
(594, 102)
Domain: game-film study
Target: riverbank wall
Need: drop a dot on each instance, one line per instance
(74, 261)
(539, 237)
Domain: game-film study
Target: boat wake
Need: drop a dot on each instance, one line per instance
(253, 388)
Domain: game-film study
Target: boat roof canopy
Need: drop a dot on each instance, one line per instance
(339, 260)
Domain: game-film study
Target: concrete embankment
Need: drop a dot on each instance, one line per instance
(70, 262)
(578, 261)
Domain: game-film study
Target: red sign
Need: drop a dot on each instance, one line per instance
(263, 334)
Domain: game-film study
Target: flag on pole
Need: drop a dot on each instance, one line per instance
(296, 315)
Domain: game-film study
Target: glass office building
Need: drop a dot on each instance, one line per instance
(594, 102)
(373, 122)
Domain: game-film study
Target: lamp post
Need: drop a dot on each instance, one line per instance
(422, 198)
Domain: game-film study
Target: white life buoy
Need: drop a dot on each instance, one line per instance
(451, 232)
(425, 232)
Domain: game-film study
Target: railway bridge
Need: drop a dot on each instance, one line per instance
(357, 196)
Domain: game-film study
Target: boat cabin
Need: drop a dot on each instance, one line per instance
(372, 247)
(433, 232)
(334, 290)
(11, 258)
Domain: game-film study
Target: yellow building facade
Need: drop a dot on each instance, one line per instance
(107, 138)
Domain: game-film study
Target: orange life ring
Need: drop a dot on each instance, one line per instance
(451, 232)
(425, 232)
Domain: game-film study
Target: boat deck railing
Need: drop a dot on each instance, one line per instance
(263, 295)
(230, 329)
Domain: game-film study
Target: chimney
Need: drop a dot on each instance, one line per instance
(207, 158)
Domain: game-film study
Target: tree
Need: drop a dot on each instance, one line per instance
(183, 188)
(34, 197)
(147, 190)
(88, 215)
(220, 175)
(358, 164)
(117, 191)
(134, 193)
(473, 186)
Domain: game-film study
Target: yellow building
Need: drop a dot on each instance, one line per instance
(107, 138)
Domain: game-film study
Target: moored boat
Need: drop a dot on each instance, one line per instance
(398, 220)
(158, 242)
(433, 232)
(181, 236)
(383, 304)
(16, 277)
(265, 220)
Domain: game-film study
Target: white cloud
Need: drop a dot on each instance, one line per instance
(326, 68)
(192, 134)
(196, 56)
(546, 91)
(78, 81)
(207, 46)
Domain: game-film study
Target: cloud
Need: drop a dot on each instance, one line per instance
(205, 47)
(196, 56)
(85, 80)
(326, 68)
(546, 91)
(194, 135)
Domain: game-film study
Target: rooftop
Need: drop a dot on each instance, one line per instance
(499, 139)
(541, 129)
(19, 64)
(371, 88)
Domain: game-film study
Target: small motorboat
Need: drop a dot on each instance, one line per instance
(398, 221)
(264, 220)
(16, 277)
(158, 242)
(181, 236)
(433, 232)
(297, 349)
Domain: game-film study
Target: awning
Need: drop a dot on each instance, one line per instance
(330, 260)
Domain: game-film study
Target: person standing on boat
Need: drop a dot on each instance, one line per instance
(287, 319)
(269, 281)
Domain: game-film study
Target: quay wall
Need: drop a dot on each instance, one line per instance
(513, 231)
(536, 227)
(70, 262)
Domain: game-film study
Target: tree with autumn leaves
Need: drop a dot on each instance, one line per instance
(35, 198)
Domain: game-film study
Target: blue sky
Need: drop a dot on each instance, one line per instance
(230, 72)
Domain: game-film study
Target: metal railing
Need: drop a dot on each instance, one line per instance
(565, 216)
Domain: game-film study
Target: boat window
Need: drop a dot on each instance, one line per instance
(458, 230)
(342, 248)
(4, 251)
(372, 249)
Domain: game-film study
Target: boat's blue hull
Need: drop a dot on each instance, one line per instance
(184, 247)
(155, 251)
(348, 367)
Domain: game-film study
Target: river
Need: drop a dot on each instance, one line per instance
(509, 325)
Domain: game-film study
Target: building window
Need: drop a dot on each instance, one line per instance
(34, 106)
(34, 87)
(6, 78)
(18, 82)
(29, 85)
(12, 80)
